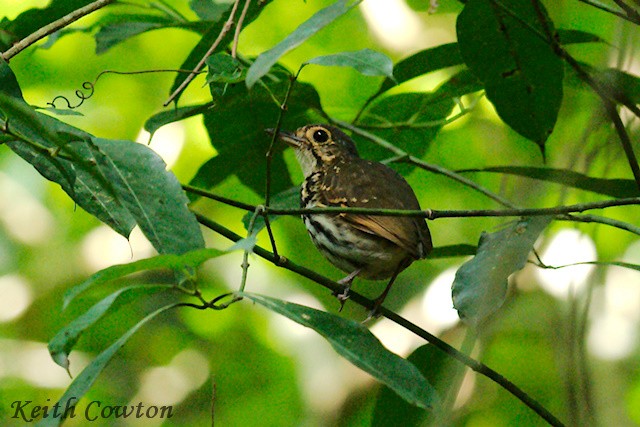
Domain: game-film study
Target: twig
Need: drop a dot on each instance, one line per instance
(434, 214)
(236, 35)
(53, 27)
(225, 29)
(476, 366)
(406, 157)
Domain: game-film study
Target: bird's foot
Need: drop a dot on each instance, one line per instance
(343, 294)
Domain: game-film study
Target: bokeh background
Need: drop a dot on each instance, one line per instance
(568, 337)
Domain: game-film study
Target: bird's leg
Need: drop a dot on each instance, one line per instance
(343, 295)
(378, 301)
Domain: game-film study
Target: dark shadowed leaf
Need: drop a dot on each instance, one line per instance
(437, 367)
(521, 73)
(480, 286)
(359, 346)
(63, 342)
(311, 26)
(242, 147)
(365, 61)
(408, 120)
(162, 118)
(423, 62)
(83, 382)
(619, 188)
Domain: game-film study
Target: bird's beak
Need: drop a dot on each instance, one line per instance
(288, 137)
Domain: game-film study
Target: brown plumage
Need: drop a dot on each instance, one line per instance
(370, 246)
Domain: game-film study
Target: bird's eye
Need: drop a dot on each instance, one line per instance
(320, 135)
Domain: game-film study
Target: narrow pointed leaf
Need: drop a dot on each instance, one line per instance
(358, 345)
(63, 342)
(480, 285)
(83, 382)
(317, 22)
(170, 262)
(365, 61)
(162, 118)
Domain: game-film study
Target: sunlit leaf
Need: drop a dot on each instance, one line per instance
(365, 61)
(359, 346)
(63, 342)
(153, 195)
(521, 73)
(480, 286)
(311, 26)
(83, 382)
(170, 262)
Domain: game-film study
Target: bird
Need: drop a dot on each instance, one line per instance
(372, 247)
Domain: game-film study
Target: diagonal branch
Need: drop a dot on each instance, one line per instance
(225, 29)
(53, 27)
(369, 304)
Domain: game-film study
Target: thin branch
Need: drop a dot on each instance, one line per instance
(630, 11)
(236, 35)
(369, 304)
(225, 29)
(53, 27)
(436, 214)
(406, 157)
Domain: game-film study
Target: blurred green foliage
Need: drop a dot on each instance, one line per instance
(259, 369)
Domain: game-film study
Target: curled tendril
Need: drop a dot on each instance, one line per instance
(82, 96)
(89, 87)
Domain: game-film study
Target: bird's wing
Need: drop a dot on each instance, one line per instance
(373, 185)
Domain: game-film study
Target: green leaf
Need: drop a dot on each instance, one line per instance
(223, 68)
(162, 118)
(423, 62)
(8, 83)
(88, 376)
(173, 262)
(480, 286)
(359, 346)
(311, 26)
(408, 120)
(242, 147)
(577, 36)
(208, 10)
(365, 61)
(617, 187)
(63, 342)
(623, 87)
(120, 28)
(437, 367)
(505, 47)
(152, 195)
